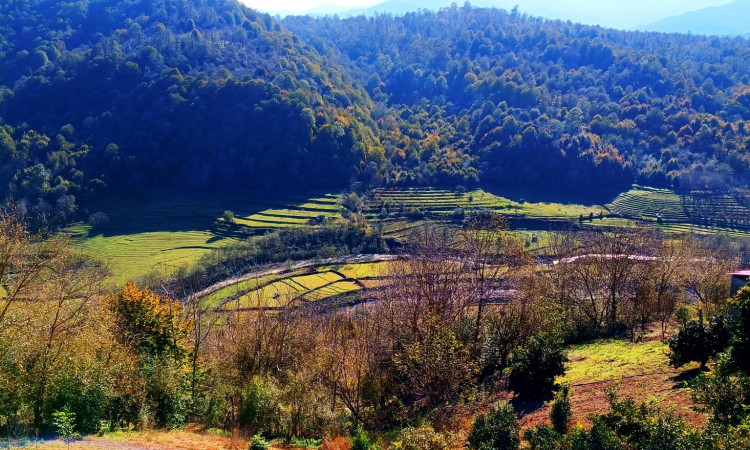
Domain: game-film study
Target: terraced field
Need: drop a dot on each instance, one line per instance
(171, 231)
(646, 203)
(297, 212)
(406, 208)
(436, 202)
(716, 209)
(297, 287)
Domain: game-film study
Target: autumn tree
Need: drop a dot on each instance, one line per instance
(156, 331)
(56, 348)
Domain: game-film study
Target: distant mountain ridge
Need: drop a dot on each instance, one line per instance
(630, 15)
(727, 20)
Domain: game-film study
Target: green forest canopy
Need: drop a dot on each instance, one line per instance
(142, 94)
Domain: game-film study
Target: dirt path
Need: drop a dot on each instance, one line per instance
(277, 269)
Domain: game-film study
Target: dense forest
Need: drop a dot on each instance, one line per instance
(97, 96)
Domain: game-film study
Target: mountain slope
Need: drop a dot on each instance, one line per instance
(143, 94)
(480, 94)
(727, 20)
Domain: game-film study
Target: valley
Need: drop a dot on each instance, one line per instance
(458, 227)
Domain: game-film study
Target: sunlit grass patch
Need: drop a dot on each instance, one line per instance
(615, 359)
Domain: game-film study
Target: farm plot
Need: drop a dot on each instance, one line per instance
(437, 204)
(716, 209)
(170, 231)
(313, 285)
(649, 204)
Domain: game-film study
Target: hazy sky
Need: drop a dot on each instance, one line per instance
(613, 13)
(299, 5)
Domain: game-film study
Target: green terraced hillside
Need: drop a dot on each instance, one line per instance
(646, 203)
(297, 287)
(171, 231)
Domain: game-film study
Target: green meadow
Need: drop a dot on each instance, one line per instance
(166, 232)
(169, 231)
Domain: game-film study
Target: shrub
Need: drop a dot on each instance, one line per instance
(360, 441)
(64, 422)
(257, 443)
(425, 438)
(697, 342)
(536, 365)
(724, 394)
(228, 216)
(260, 406)
(561, 410)
(496, 430)
(741, 330)
(98, 219)
(542, 437)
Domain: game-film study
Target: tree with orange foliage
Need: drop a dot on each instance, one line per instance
(150, 324)
(154, 328)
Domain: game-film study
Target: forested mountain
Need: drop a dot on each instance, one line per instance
(485, 94)
(142, 94)
(138, 94)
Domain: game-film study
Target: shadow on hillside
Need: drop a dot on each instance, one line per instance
(183, 211)
(524, 405)
(585, 196)
(685, 377)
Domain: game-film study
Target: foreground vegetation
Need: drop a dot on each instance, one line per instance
(465, 318)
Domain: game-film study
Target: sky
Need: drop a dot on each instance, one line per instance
(610, 13)
(301, 5)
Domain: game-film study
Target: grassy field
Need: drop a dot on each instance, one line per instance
(151, 440)
(638, 371)
(309, 285)
(170, 231)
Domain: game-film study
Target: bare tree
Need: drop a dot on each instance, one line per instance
(706, 276)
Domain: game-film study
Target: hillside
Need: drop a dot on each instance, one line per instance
(725, 20)
(507, 99)
(141, 95)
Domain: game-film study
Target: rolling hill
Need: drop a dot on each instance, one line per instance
(726, 20)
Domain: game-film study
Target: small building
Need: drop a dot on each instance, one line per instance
(320, 220)
(739, 280)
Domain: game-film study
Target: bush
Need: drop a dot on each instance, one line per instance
(542, 437)
(228, 216)
(257, 443)
(425, 438)
(64, 422)
(561, 411)
(360, 441)
(741, 330)
(536, 365)
(98, 219)
(260, 406)
(496, 430)
(723, 394)
(697, 342)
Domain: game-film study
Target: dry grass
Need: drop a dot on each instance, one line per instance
(152, 440)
